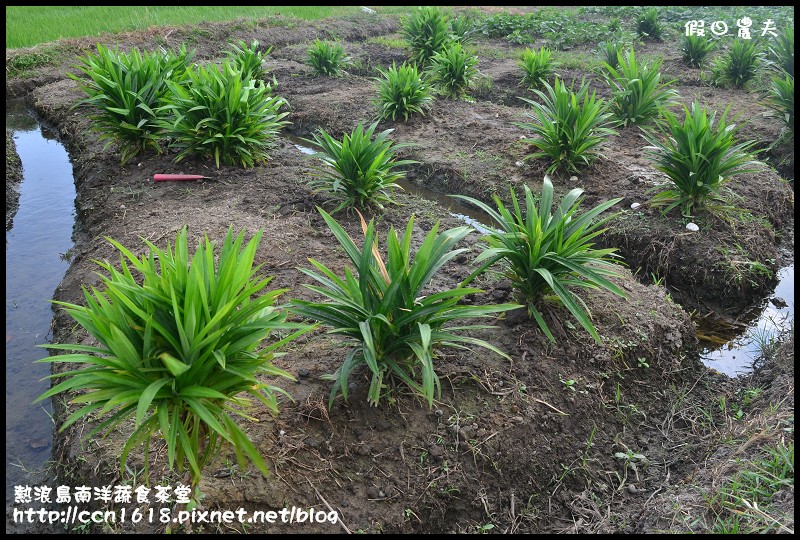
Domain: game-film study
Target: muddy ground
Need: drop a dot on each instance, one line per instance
(509, 447)
(13, 178)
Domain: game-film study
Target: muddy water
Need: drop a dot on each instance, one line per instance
(730, 348)
(35, 264)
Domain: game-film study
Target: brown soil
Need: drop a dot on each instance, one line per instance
(508, 443)
(13, 178)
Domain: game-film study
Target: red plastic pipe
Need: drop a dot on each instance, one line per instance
(163, 177)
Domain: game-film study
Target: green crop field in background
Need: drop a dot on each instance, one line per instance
(30, 25)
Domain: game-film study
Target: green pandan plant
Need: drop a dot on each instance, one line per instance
(181, 345)
(219, 115)
(699, 155)
(548, 253)
(570, 125)
(402, 92)
(125, 90)
(359, 170)
(385, 312)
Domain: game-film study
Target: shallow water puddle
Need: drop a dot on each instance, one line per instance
(742, 344)
(36, 248)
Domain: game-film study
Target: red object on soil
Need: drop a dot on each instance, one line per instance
(163, 177)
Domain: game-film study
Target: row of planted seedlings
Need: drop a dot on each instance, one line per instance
(181, 337)
(573, 124)
(699, 154)
(736, 66)
(439, 65)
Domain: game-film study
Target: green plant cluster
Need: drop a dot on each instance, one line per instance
(222, 116)
(739, 65)
(611, 51)
(427, 31)
(547, 252)
(781, 51)
(637, 94)
(327, 58)
(360, 169)
(452, 70)
(694, 49)
(437, 42)
(126, 91)
(248, 60)
(226, 113)
(537, 67)
(21, 64)
(463, 28)
(699, 155)
(570, 126)
(402, 91)
(395, 327)
(780, 98)
(648, 26)
(176, 350)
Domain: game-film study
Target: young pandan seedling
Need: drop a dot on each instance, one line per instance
(327, 58)
(249, 61)
(547, 252)
(648, 25)
(781, 100)
(694, 49)
(610, 53)
(219, 115)
(179, 346)
(781, 51)
(394, 324)
(359, 169)
(537, 67)
(699, 155)
(452, 70)
(427, 31)
(402, 92)
(638, 95)
(739, 65)
(463, 28)
(570, 126)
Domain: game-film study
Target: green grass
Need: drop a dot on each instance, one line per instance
(22, 65)
(745, 502)
(30, 25)
(388, 41)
